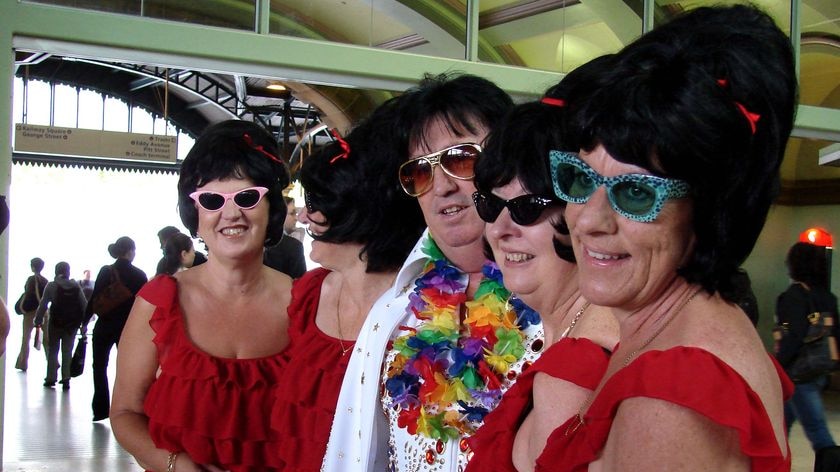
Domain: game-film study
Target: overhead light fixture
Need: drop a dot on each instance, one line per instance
(817, 236)
(276, 87)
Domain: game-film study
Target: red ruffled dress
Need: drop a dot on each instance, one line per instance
(577, 360)
(687, 376)
(212, 408)
(305, 403)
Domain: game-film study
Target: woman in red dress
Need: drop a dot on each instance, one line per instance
(678, 166)
(363, 227)
(530, 243)
(202, 348)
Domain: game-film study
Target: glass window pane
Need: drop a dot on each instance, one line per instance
(116, 115)
(555, 36)
(65, 106)
(185, 143)
(237, 14)
(17, 106)
(820, 58)
(240, 14)
(160, 126)
(142, 121)
(38, 103)
(432, 27)
(90, 110)
(131, 7)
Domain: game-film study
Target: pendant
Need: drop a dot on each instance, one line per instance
(577, 422)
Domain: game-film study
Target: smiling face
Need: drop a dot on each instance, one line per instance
(525, 254)
(624, 263)
(447, 207)
(233, 232)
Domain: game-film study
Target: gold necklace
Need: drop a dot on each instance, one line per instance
(658, 330)
(344, 350)
(571, 326)
(578, 420)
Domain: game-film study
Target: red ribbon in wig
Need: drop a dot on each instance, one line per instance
(345, 148)
(555, 102)
(259, 148)
(751, 117)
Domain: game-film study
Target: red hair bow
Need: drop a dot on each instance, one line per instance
(556, 102)
(260, 149)
(751, 117)
(345, 148)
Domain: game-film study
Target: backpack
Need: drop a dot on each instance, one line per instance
(28, 301)
(65, 310)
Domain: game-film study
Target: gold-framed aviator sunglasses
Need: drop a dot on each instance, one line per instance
(458, 161)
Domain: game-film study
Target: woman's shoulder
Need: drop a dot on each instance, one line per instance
(306, 290)
(726, 333)
(309, 283)
(279, 280)
(691, 378)
(314, 276)
(162, 289)
(825, 298)
(137, 272)
(795, 292)
(694, 378)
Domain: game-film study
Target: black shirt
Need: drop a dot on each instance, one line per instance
(792, 309)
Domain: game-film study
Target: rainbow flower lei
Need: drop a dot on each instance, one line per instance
(447, 376)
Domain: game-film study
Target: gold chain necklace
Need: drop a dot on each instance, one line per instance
(659, 330)
(578, 420)
(571, 326)
(344, 350)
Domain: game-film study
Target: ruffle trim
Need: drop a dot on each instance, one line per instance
(303, 414)
(180, 358)
(229, 453)
(687, 376)
(215, 409)
(577, 360)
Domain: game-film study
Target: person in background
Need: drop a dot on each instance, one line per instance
(808, 293)
(678, 166)
(363, 227)
(287, 255)
(166, 232)
(109, 326)
(530, 242)
(290, 226)
(86, 284)
(66, 303)
(178, 254)
(444, 297)
(204, 347)
(33, 291)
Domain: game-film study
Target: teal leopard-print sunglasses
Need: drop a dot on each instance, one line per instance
(638, 197)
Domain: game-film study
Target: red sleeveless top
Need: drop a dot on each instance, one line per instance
(214, 409)
(305, 403)
(688, 376)
(577, 360)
